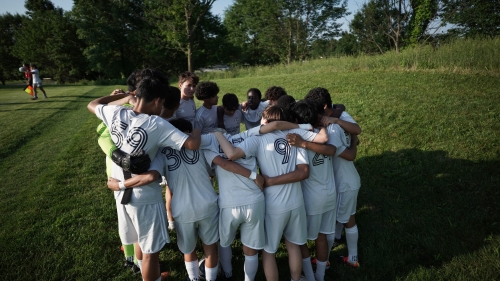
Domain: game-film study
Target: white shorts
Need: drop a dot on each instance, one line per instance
(291, 224)
(346, 205)
(187, 233)
(321, 223)
(37, 85)
(250, 219)
(146, 224)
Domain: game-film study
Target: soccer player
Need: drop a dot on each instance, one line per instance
(141, 220)
(206, 115)
(252, 109)
(232, 115)
(274, 93)
(187, 107)
(283, 168)
(37, 82)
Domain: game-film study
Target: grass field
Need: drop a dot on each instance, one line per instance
(428, 208)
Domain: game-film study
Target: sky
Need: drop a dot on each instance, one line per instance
(17, 6)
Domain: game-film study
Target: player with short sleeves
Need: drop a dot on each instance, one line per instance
(253, 108)
(206, 115)
(187, 106)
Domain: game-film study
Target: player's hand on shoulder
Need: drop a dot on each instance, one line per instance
(267, 181)
(295, 140)
(117, 92)
(325, 121)
(259, 181)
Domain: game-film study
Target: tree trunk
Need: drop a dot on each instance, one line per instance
(190, 54)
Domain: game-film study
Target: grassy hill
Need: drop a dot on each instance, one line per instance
(428, 208)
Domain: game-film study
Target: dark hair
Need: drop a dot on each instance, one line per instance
(188, 76)
(286, 102)
(173, 98)
(206, 90)
(255, 91)
(153, 73)
(274, 113)
(320, 95)
(274, 93)
(305, 112)
(182, 124)
(150, 88)
(33, 65)
(230, 101)
(131, 81)
(25, 64)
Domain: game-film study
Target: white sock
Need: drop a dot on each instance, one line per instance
(351, 237)
(307, 268)
(225, 255)
(320, 270)
(192, 269)
(251, 266)
(330, 239)
(338, 230)
(211, 273)
(139, 264)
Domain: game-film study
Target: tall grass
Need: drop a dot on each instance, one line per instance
(462, 55)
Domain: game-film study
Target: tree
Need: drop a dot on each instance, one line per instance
(473, 17)
(8, 61)
(179, 22)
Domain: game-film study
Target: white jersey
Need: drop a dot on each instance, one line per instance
(346, 117)
(132, 132)
(36, 76)
(319, 189)
(276, 157)
(186, 110)
(235, 190)
(193, 196)
(346, 175)
(232, 123)
(251, 117)
(206, 119)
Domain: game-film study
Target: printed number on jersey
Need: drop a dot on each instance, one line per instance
(282, 147)
(178, 156)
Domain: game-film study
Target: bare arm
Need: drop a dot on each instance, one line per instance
(103, 100)
(277, 125)
(321, 137)
(238, 169)
(193, 141)
(301, 173)
(131, 99)
(138, 180)
(351, 128)
(231, 152)
(349, 153)
(325, 149)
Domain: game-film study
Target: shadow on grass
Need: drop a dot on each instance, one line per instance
(421, 209)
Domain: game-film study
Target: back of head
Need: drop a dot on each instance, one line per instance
(286, 102)
(189, 76)
(256, 92)
(182, 124)
(152, 73)
(205, 90)
(305, 112)
(131, 80)
(274, 93)
(33, 65)
(150, 88)
(173, 98)
(230, 101)
(274, 113)
(320, 95)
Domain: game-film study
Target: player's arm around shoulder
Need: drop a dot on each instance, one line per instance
(103, 100)
(297, 141)
(136, 181)
(350, 153)
(301, 173)
(231, 152)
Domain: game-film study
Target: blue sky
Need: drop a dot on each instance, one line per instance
(17, 6)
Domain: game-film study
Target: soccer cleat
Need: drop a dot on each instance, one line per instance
(128, 264)
(34, 98)
(313, 262)
(201, 266)
(135, 269)
(345, 260)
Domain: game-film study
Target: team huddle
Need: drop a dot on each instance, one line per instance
(289, 175)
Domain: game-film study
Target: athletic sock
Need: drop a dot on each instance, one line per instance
(251, 266)
(338, 230)
(320, 270)
(211, 273)
(139, 264)
(307, 268)
(351, 236)
(330, 239)
(192, 269)
(225, 255)
(128, 250)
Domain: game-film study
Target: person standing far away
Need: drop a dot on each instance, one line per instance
(37, 82)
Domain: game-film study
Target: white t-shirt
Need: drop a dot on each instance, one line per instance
(319, 189)
(276, 157)
(251, 117)
(132, 132)
(206, 119)
(234, 189)
(346, 175)
(186, 110)
(232, 123)
(193, 196)
(36, 76)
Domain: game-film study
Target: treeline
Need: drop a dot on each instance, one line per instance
(108, 39)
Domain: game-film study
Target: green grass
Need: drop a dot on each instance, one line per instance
(428, 208)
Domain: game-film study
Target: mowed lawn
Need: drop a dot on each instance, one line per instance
(429, 161)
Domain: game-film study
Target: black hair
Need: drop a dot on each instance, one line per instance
(230, 101)
(305, 112)
(189, 76)
(131, 81)
(173, 98)
(150, 88)
(274, 93)
(206, 90)
(320, 95)
(182, 125)
(33, 65)
(255, 91)
(286, 102)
